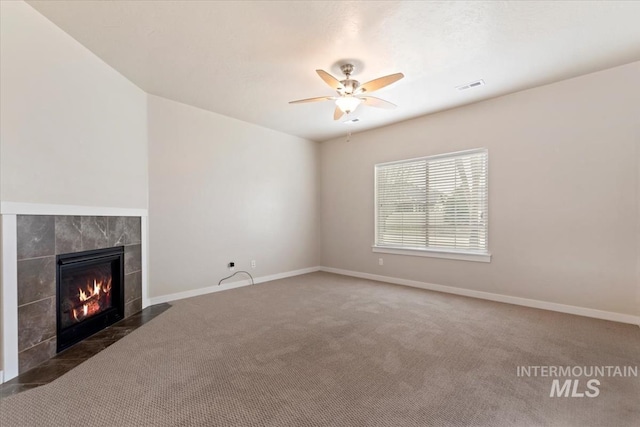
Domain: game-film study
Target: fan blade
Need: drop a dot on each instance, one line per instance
(372, 101)
(379, 83)
(337, 113)
(330, 80)
(320, 98)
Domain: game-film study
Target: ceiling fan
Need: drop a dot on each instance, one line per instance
(351, 93)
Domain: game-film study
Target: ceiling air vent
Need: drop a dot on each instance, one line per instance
(471, 85)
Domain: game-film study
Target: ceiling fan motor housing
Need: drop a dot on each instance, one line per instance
(349, 86)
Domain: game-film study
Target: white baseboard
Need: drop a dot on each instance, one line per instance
(544, 305)
(1, 377)
(227, 286)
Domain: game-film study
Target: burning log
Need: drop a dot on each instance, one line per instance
(91, 299)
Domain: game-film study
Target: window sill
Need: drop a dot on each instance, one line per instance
(459, 255)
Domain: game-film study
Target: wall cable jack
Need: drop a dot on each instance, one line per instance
(237, 272)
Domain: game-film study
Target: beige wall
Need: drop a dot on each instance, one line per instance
(563, 190)
(223, 190)
(70, 124)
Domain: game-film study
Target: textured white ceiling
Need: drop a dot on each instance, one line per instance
(247, 59)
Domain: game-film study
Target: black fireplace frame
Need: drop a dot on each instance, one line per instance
(66, 337)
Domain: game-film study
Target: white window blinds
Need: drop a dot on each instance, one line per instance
(438, 202)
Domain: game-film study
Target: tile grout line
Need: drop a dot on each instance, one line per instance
(35, 345)
(61, 253)
(36, 257)
(33, 302)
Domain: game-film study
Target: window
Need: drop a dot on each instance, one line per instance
(434, 206)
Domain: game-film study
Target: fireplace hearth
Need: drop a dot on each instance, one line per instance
(89, 293)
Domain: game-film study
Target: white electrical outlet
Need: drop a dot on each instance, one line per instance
(380, 261)
(253, 263)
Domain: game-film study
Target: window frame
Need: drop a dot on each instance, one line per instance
(456, 254)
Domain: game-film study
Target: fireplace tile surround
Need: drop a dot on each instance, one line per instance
(39, 239)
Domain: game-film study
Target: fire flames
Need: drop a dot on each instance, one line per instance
(92, 298)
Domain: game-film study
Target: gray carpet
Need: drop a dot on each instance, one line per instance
(329, 350)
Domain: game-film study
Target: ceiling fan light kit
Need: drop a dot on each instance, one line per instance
(351, 93)
(348, 103)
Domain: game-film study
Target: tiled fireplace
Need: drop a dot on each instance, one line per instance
(43, 245)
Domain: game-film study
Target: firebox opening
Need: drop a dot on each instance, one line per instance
(90, 293)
